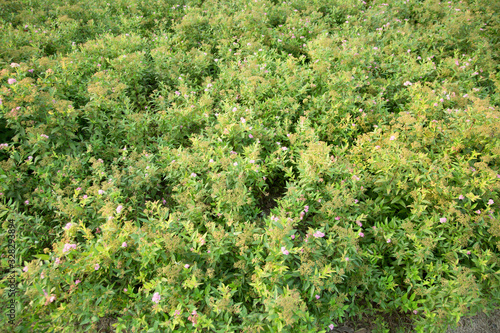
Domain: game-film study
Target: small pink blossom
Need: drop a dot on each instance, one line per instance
(77, 282)
(68, 226)
(292, 236)
(85, 196)
(337, 218)
(388, 240)
(68, 247)
(100, 192)
(250, 136)
(124, 244)
(58, 261)
(14, 64)
(284, 251)
(392, 138)
(460, 197)
(186, 266)
(319, 234)
(478, 211)
(156, 297)
(193, 175)
(361, 234)
(442, 220)
(331, 326)
(119, 209)
(346, 258)
(491, 202)
(242, 120)
(318, 296)
(96, 267)
(468, 252)
(125, 289)
(27, 202)
(306, 209)
(359, 223)
(25, 269)
(415, 311)
(11, 81)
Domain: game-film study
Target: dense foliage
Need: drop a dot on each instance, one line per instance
(249, 166)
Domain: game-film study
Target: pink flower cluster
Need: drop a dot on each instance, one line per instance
(68, 247)
(319, 234)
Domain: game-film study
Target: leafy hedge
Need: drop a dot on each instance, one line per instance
(253, 166)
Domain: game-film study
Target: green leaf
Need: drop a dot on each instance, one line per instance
(42, 256)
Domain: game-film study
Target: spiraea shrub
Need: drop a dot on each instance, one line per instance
(248, 166)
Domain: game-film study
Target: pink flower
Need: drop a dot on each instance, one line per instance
(457, 63)
(460, 197)
(77, 282)
(392, 138)
(331, 326)
(58, 261)
(284, 251)
(25, 269)
(11, 81)
(468, 252)
(177, 312)
(478, 211)
(125, 289)
(177, 93)
(85, 196)
(415, 311)
(96, 267)
(388, 240)
(156, 297)
(250, 136)
(319, 234)
(306, 209)
(186, 266)
(68, 247)
(242, 120)
(193, 175)
(100, 192)
(442, 220)
(14, 64)
(346, 258)
(359, 223)
(361, 234)
(317, 296)
(124, 244)
(292, 236)
(26, 202)
(119, 209)
(491, 202)
(337, 218)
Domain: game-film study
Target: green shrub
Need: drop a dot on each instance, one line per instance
(256, 166)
